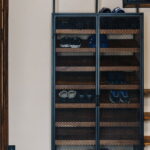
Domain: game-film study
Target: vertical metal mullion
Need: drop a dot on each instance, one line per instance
(96, 6)
(53, 82)
(54, 5)
(142, 81)
(97, 86)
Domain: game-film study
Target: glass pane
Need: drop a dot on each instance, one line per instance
(75, 83)
(120, 83)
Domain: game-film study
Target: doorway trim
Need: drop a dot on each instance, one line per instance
(4, 74)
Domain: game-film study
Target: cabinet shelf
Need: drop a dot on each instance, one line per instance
(75, 142)
(92, 105)
(93, 50)
(76, 105)
(75, 31)
(119, 31)
(93, 31)
(103, 87)
(75, 50)
(93, 142)
(89, 69)
(93, 124)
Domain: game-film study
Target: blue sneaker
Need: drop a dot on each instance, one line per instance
(114, 96)
(124, 96)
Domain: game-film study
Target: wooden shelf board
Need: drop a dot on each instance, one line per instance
(119, 87)
(76, 105)
(102, 105)
(117, 50)
(93, 31)
(75, 31)
(75, 68)
(93, 124)
(92, 68)
(75, 50)
(119, 142)
(75, 142)
(119, 68)
(103, 87)
(119, 31)
(109, 105)
(93, 50)
(76, 87)
(93, 142)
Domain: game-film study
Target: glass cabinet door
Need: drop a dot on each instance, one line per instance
(120, 83)
(75, 120)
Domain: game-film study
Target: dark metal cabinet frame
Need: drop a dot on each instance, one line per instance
(98, 65)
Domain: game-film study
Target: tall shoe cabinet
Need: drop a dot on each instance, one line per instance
(92, 120)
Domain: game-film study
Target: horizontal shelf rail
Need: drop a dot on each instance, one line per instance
(92, 68)
(93, 105)
(93, 50)
(103, 142)
(103, 87)
(93, 124)
(93, 31)
(93, 142)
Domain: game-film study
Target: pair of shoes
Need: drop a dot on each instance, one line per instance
(116, 96)
(119, 96)
(103, 41)
(115, 10)
(68, 42)
(67, 94)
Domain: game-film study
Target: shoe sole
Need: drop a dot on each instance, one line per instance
(75, 46)
(64, 45)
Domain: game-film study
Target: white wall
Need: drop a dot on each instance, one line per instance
(30, 68)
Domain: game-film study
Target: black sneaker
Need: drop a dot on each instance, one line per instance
(65, 42)
(75, 42)
(118, 10)
(105, 10)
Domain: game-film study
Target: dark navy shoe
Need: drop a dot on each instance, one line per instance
(65, 42)
(105, 10)
(118, 10)
(103, 41)
(114, 96)
(92, 41)
(124, 96)
(75, 42)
